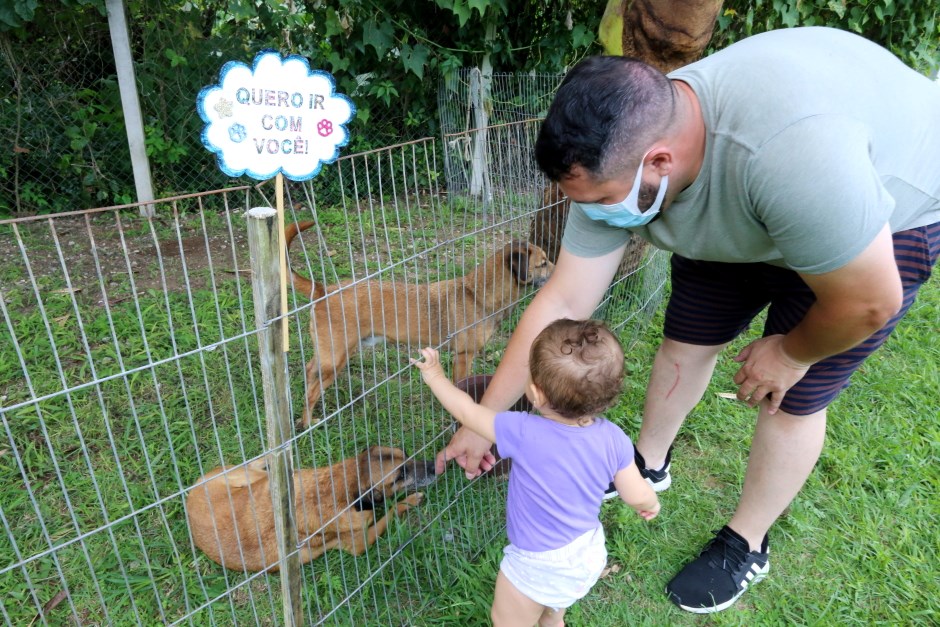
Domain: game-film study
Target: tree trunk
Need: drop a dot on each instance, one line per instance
(667, 34)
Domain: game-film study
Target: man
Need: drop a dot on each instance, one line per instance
(798, 169)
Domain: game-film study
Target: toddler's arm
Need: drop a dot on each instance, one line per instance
(635, 492)
(479, 419)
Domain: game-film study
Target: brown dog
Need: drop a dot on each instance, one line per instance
(548, 227)
(466, 311)
(231, 520)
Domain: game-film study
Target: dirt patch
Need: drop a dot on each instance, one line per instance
(103, 257)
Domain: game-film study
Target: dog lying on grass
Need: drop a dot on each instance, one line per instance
(231, 519)
(466, 311)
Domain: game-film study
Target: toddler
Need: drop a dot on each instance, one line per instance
(563, 460)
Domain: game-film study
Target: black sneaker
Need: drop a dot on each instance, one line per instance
(658, 479)
(720, 574)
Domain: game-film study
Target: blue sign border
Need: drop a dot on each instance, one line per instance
(205, 91)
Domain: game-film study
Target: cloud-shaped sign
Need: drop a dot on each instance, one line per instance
(276, 116)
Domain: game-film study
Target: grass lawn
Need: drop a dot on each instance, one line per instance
(858, 546)
(92, 520)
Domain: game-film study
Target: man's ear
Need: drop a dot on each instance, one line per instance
(661, 158)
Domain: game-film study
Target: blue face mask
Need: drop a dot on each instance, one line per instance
(626, 213)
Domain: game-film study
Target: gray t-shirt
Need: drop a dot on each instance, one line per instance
(815, 139)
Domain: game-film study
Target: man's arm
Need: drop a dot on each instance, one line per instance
(851, 304)
(573, 291)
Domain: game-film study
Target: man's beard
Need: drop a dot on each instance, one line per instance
(647, 195)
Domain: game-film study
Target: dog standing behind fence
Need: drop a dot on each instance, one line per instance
(231, 520)
(466, 310)
(548, 228)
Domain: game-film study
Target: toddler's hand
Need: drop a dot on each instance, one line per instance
(431, 366)
(649, 514)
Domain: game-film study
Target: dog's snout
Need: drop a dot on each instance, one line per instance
(423, 473)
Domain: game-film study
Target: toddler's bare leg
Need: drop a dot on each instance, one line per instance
(552, 618)
(511, 608)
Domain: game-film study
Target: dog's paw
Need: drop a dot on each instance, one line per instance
(305, 421)
(415, 499)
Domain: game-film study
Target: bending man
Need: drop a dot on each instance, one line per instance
(796, 169)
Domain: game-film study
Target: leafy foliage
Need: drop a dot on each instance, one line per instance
(387, 55)
(61, 119)
(908, 28)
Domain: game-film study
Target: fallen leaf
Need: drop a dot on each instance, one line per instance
(613, 569)
(50, 605)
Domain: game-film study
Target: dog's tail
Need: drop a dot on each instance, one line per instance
(300, 283)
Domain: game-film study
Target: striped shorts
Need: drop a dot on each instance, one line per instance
(712, 303)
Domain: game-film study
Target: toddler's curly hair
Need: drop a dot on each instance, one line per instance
(578, 364)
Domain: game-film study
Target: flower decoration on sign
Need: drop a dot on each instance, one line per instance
(277, 115)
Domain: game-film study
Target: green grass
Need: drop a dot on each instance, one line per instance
(92, 482)
(858, 546)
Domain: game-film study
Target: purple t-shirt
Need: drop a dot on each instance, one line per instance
(558, 477)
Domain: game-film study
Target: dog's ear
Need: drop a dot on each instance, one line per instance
(517, 260)
(247, 475)
(379, 470)
(375, 463)
(552, 194)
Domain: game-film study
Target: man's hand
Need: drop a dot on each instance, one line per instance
(470, 451)
(767, 372)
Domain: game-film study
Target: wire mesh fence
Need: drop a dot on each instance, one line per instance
(469, 102)
(63, 141)
(130, 371)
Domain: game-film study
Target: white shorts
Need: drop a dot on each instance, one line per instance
(557, 578)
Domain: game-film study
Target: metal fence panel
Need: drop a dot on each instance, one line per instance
(130, 369)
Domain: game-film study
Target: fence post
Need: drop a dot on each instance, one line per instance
(265, 287)
(130, 104)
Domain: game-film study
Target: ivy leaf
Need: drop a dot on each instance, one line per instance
(462, 10)
(445, 4)
(415, 59)
(581, 37)
(15, 14)
(26, 9)
(332, 26)
(242, 10)
(836, 7)
(338, 63)
(479, 5)
(379, 36)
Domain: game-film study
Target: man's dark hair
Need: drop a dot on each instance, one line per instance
(605, 113)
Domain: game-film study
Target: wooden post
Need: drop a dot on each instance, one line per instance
(266, 287)
(130, 103)
(282, 251)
